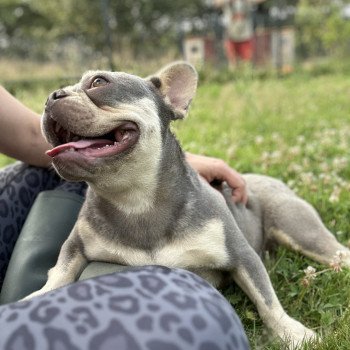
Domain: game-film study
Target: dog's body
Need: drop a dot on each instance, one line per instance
(145, 204)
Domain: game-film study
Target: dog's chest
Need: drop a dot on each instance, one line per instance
(201, 247)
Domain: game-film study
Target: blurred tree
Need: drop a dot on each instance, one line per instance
(44, 29)
(322, 29)
(21, 24)
(145, 25)
(336, 35)
(150, 25)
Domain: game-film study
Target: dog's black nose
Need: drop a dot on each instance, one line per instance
(56, 95)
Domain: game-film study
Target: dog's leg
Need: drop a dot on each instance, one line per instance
(70, 263)
(252, 277)
(295, 223)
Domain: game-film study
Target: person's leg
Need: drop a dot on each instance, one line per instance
(244, 50)
(19, 185)
(149, 308)
(230, 52)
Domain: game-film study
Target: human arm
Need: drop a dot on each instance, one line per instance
(20, 133)
(216, 169)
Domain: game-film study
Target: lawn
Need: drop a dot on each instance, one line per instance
(297, 129)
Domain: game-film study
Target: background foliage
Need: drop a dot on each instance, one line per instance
(323, 28)
(143, 25)
(76, 30)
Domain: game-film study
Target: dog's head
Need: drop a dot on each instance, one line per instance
(112, 119)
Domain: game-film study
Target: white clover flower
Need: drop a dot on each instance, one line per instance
(307, 178)
(259, 139)
(334, 197)
(301, 139)
(276, 155)
(265, 156)
(337, 261)
(311, 148)
(324, 166)
(276, 136)
(306, 162)
(327, 141)
(340, 162)
(310, 271)
(326, 178)
(333, 222)
(295, 168)
(295, 150)
(310, 274)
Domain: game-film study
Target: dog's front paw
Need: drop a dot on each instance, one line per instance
(294, 333)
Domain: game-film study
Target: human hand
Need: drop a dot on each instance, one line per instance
(216, 169)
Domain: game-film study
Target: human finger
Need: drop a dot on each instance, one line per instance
(237, 184)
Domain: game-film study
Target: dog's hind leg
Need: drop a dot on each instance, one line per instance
(294, 223)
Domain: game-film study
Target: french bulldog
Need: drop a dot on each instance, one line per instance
(146, 205)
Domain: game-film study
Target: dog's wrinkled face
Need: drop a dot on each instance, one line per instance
(110, 118)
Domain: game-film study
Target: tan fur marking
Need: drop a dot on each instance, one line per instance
(284, 239)
(204, 247)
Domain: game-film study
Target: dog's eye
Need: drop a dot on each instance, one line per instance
(97, 82)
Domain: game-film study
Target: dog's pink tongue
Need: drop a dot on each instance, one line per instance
(78, 145)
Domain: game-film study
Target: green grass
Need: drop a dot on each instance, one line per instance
(297, 129)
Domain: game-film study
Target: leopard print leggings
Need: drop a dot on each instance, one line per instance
(151, 307)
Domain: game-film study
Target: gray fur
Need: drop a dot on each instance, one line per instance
(181, 206)
(126, 88)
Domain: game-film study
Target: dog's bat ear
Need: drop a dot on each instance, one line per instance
(177, 84)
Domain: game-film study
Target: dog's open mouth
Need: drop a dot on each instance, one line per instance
(115, 142)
